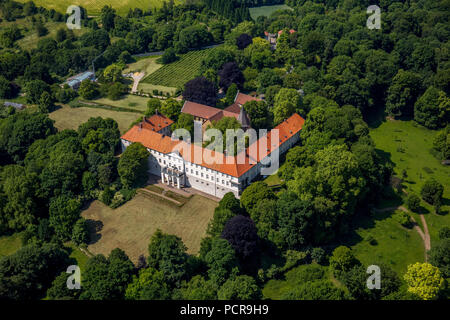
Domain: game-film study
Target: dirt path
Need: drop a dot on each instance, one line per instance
(425, 235)
(137, 77)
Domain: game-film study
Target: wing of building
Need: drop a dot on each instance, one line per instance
(182, 164)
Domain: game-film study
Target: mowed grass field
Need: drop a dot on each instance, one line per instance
(95, 6)
(176, 74)
(128, 101)
(71, 118)
(267, 10)
(408, 147)
(131, 226)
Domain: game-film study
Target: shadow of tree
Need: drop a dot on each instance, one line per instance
(94, 227)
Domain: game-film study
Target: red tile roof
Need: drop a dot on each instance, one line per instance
(156, 122)
(224, 113)
(199, 110)
(228, 164)
(240, 99)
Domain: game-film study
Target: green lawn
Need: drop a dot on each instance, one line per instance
(10, 244)
(78, 255)
(94, 6)
(131, 226)
(395, 245)
(71, 118)
(176, 74)
(147, 65)
(408, 147)
(266, 10)
(129, 101)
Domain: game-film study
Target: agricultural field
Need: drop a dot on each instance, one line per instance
(176, 74)
(129, 101)
(131, 226)
(95, 6)
(408, 146)
(266, 10)
(71, 118)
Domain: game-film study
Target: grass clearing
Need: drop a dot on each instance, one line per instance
(95, 6)
(267, 10)
(71, 118)
(131, 226)
(147, 65)
(10, 244)
(128, 101)
(176, 74)
(408, 146)
(395, 245)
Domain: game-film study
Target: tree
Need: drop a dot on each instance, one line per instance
(107, 16)
(46, 102)
(241, 233)
(88, 90)
(256, 192)
(193, 37)
(169, 56)
(59, 290)
(113, 73)
(200, 90)
(6, 89)
(80, 233)
(107, 278)
(167, 253)
(185, 121)
(259, 114)
(286, 103)
(116, 91)
(342, 260)
(229, 74)
(149, 285)
(240, 288)
(171, 109)
(63, 214)
(413, 202)
(232, 91)
(440, 256)
(315, 290)
(403, 93)
(441, 144)
(35, 89)
(424, 280)
(133, 164)
(27, 273)
(220, 259)
(152, 105)
(432, 191)
(198, 288)
(243, 41)
(432, 109)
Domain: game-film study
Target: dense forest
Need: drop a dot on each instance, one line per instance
(333, 71)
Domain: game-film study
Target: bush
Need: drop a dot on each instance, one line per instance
(404, 219)
(107, 196)
(432, 191)
(169, 56)
(318, 255)
(444, 233)
(293, 259)
(413, 202)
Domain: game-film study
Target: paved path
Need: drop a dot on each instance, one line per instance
(137, 77)
(425, 235)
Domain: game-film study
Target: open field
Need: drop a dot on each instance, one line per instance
(10, 244)
(129, 101)
(266, 10)
(408, 147)
(176, 74)
(147, 65)
(395, 245)
(131, 226)
(94, 6)
(70, 118)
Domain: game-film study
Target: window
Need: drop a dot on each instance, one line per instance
(207, 176)
(202, 174)
(196, 173)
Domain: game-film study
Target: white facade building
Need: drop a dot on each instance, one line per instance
(176, 163)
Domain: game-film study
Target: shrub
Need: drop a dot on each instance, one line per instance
(107, 196)
(432, 191)
(404, 219)
(80, 234)
(293, 259)
(413, 202)
(318, 255)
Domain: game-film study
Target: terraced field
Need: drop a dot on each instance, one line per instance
(176, 74)
(94, 6)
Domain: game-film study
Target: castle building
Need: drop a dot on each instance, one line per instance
(178, 164)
